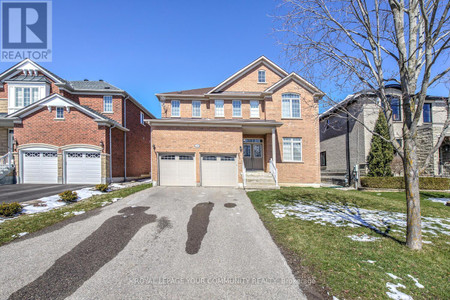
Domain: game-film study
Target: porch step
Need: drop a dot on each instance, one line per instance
(260, 180)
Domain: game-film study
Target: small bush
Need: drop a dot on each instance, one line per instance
(102, 187)
(425, 183)
(68, 196)
(10, 209)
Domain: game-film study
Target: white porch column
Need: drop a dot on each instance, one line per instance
(274, 148)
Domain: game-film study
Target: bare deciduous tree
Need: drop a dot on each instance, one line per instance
(365, 44)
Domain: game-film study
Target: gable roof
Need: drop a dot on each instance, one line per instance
(93, 85)
(261, 60)
(58, 100)
(194, 92)
(298, 79)
(24, 63)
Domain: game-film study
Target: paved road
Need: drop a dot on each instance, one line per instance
(26, 192)
(161, 243)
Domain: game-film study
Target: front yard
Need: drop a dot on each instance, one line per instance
(353, 242)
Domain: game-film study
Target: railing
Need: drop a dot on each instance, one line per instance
(244, 175)
(6, 160)
(274, 171)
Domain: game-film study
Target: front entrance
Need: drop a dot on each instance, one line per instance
(253, 154)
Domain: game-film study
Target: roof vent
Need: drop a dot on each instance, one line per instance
(107, 87)
(100, 80)
(86, 80)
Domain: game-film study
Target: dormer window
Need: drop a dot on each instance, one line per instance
(26, 96)
(60, 112)
(262, 76)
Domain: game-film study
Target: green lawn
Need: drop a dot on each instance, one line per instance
(10, 229)
(340, 264)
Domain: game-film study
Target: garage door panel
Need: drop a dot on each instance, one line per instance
(40, 167)
(219, 170)
(83, 167)
(177, 170)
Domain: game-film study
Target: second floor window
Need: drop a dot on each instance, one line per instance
(196, 111)
(427, 116)
(261, 76)
(396, 109)
(290, 106)
(60, 112)
(219, 108)
(237, 108)
(26, 96)
(108, 104)
(254, 109)
(175, 108)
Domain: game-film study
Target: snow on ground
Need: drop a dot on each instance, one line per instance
(416, 282)
(75, 213)
(363, 238)
(394, 293)
(20, 234)
(371, 261)
(439, 200)
(51, 202)
(350, 216)
(393, 276)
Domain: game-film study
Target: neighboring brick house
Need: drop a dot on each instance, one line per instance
(63, 131)
(258, 124)
(345, 142)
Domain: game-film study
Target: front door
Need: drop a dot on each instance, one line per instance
(253, 154)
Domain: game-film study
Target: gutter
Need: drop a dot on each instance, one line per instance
(110, 154)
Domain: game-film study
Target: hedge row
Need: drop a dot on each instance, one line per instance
(425, 183)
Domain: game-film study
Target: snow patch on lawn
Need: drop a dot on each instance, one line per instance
(75, 213)
(363, 238)
(394, 293)
(416, 282)
(393, 276)
(20, 234)
(51, 202)
(350, 216)
(439, 200)
(371, 261)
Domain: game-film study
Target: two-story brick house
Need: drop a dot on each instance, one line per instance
(63, 131)
(261, 120)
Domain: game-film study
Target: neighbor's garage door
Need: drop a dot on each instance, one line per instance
(177, 170)
(219, 170)
(40, 166)
(83, 167)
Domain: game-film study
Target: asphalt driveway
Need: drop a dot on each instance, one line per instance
(161, 243)
(26, 192)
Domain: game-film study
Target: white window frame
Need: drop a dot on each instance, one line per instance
(108, 107)
(262, 75)
(235, 108)
(291, 142)
(254, 111)
(221, 111)
(59, 109)
(33, 95)
(141, 118)
(195, 109)
(290, 99)
(41, 90)
(177, 114)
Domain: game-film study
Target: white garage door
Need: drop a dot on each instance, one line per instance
(177, 170)
(40, 166)
(219, 170)
(83, 167)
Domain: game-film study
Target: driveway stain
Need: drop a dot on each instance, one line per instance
(163, 223)
(198, 226)
(70, 271)
(230, 205)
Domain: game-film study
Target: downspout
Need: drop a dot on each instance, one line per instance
(347, 141)
(110, 153)
(125, 139)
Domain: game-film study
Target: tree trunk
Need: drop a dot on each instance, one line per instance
(413, 220)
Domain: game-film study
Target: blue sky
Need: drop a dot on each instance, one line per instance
(147, 47)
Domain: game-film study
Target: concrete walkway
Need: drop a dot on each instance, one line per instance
(161, 243)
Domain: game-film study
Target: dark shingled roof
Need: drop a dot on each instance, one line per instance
(93, 85)
(201, 91)
(101, 115)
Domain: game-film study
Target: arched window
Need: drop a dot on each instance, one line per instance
(291, 106)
